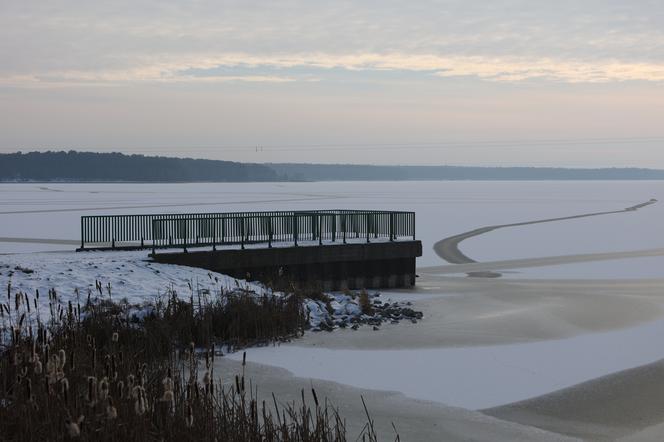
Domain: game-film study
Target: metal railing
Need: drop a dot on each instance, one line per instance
(217, 229)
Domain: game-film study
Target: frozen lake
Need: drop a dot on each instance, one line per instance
(38, 210)
(456, 376)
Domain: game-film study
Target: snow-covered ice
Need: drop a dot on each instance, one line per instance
(444, 208)
(474, 377)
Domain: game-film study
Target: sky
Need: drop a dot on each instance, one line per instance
(462, 82)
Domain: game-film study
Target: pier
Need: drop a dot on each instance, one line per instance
(326, 249)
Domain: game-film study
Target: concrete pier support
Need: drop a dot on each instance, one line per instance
(326, 267)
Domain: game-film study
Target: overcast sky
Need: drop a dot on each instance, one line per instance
(501, 82)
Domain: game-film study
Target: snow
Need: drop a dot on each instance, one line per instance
(131, 275)
(473, 377)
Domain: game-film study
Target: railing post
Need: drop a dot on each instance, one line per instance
(334, 227)
(214, 234)
(343, 226)
(413, 221)
(367, 215)
(82, 235)
(295, 229)
(185, 235)
(320, 230)
(242, 232)
(269, 232)
(391, 226)
(154, 238)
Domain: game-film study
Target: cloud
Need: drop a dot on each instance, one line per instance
(241, 67)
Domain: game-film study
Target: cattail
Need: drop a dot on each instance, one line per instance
(168, 397)
(28, 388)
(168, 383)
(189, 419)
(64, 387)
(121, 389)
(114, 367)
(111, 411)
(92, 390)
(74, 428)
(140, 406)
(103, 389)
(62, 359)
(144, 374)
(115, 337)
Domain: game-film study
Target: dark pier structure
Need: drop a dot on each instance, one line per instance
(322, 249)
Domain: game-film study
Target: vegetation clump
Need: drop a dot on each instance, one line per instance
(97, 372)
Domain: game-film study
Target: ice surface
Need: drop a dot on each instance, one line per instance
(444, 208)
(473, 377)
(633, 268)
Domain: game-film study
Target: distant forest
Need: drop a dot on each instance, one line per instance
(350, 172)
(117, 167)
(89, 166)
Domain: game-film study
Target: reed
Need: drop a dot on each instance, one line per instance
(93, 371)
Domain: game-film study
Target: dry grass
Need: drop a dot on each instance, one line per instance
(93, 372)
(364, 302)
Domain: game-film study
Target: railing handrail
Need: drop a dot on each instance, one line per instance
(261, 226)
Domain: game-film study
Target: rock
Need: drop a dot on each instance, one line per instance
(355, 326)
(375, 328)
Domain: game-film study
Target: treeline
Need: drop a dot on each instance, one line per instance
(349, 172)
(90, 166)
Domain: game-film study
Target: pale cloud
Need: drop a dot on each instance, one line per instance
(501, 69)
(505, 40)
